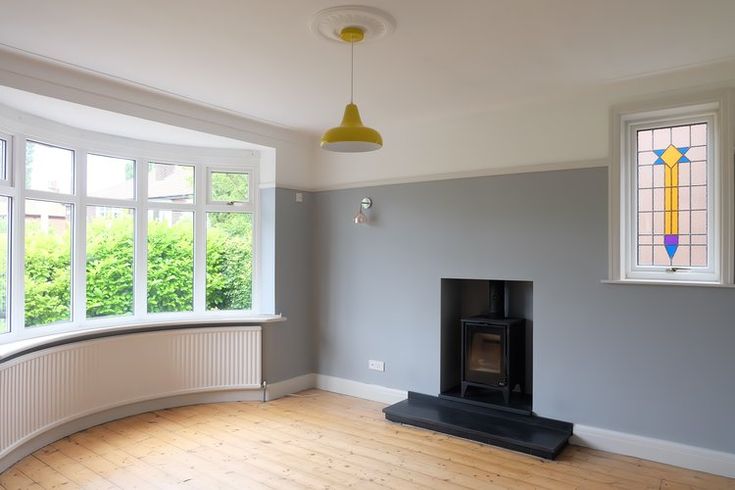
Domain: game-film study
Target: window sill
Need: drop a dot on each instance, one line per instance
(18, 348)
(642, 282)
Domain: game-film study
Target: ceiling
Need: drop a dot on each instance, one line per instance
(446, 58)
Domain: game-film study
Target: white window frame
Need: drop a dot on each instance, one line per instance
(8, 191)
(8, 138)
(713, 107)
(141, 152)
(241, 205)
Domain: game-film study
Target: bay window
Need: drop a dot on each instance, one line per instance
(103, 235)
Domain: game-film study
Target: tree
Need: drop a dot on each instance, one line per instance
(110, 265)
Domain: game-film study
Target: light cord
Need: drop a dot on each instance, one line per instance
(352, 71)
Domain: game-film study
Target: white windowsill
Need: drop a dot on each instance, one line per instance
(11, 348)
(667, 283)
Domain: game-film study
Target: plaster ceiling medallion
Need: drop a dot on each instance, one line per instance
(330, 22)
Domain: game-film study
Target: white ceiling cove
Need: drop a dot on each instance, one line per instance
(101, 121)
(445, 58)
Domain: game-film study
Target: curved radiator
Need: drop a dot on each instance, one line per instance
(45, 389)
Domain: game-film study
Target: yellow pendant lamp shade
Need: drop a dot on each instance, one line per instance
(351, 136)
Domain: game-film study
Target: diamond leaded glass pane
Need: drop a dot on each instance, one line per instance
(672, 196)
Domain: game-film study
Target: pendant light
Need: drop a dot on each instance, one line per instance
(351, 136)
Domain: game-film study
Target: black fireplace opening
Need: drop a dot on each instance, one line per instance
(486, 343)
(492, 355)
(483, 355)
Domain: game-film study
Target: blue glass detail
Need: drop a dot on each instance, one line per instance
(671, 242)
(658, 154)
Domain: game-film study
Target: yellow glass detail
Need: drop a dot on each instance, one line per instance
(671, 156)
(671, 197)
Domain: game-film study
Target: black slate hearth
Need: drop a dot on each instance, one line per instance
(528, 434)
(519, 403)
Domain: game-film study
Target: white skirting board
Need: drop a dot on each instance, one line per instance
(667, 452)
(360, 390)
(675, 454)
(289, 386)
(98, 418)
(335, 385)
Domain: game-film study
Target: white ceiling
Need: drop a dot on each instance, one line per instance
(446, 58)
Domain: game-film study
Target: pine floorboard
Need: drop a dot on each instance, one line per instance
(315, 440)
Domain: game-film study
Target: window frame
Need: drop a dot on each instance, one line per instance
(229, 170)
(8, 138)
(141, 152)
(7, 190)
(107, 155)
(165, 204)
(713, 107)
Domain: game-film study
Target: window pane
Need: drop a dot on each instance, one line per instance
(110, 177)
(110, 261)
(49, 168)
(4, 258)
(677, 157)
(170, 261)
(229, 261)
(47, 262)
(3, 158)
(170, 183)
(229, 187)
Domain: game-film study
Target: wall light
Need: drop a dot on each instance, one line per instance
(361, 218)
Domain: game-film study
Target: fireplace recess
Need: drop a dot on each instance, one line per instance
(486, 371)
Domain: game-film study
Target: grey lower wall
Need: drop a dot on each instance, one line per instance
(655, 361)
(289, 347)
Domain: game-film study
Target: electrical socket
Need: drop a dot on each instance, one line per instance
(299, 197)
(376, 365)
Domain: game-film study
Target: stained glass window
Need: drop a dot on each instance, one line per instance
(673, 187)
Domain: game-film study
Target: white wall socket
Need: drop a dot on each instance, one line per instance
(299, 197)
(376, 365)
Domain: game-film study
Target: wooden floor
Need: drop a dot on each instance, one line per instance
(314, 440)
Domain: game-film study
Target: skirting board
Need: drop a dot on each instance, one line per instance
(673, 453)
(357, 389)
(98, 418)
(676, 454)
(291, 385)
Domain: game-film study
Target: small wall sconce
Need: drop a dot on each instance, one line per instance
(361, 218)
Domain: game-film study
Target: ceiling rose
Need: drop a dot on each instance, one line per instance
(330, 22)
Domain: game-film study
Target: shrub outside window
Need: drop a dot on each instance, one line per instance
(98, 246)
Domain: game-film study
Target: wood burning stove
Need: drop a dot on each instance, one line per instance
(493, 354)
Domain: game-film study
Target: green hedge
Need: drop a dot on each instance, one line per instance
(110, 252)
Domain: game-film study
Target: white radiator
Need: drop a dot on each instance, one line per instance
(41, 390)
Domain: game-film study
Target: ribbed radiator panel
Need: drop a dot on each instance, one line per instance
(47, 388)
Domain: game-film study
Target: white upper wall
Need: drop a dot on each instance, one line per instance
(461, 88)
(566, 132)
(542, 133)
